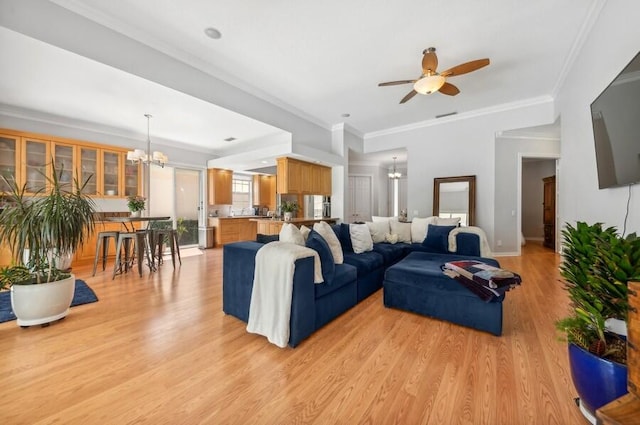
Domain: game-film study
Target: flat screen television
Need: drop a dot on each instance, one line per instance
(615, 116)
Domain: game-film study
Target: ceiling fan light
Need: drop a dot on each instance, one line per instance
(429, 84)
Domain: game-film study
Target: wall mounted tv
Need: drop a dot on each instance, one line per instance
(615, 116)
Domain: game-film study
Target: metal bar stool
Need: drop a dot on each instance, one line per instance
(130, 243)
(103, 242)
(172, 240)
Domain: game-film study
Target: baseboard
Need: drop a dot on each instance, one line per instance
(506, 254)
(533, 239)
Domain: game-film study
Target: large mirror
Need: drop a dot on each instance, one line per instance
(455, 197)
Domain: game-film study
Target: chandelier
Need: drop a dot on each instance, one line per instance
(146, 157)
(394, 174)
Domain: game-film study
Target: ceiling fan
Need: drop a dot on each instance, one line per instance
(431, 81)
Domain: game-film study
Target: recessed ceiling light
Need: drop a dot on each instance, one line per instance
(345, 115)
(211, 32)
(229, 139)
(265, 162)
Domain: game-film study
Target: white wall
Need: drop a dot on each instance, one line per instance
(458, 146)
(610, 45)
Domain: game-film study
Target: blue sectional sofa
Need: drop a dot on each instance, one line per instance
(314, 305)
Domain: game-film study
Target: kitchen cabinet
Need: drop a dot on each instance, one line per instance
(300, 177)
(27, 157)
(9, 159)
(36, 159)
(233, 229)
(220, 186)
(264, 191)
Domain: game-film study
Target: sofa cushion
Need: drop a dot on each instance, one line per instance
(377, 218)
(391, 253)
(267, 238)
(317, 243)
(403, 230)
(419, 228)
(365, 262)
(344, 275)
(360, 238)
(378, 230)
(291, 233)
(325, 230)
(437, 239)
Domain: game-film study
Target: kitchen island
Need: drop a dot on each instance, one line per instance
(268, 226)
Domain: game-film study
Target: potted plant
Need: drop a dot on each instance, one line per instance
(288, 208)
(136, 205)
(41, 231)
(596, 267)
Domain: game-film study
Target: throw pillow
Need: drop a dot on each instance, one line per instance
(378, 230)
(316, 242)
(389, 238)
(403, 230)
(377, 218)
(419, 228)
(437, 239)
(360, 238)
(345, 238)
(325, 230)
(454, 221)
(290, 233)
(304, 230)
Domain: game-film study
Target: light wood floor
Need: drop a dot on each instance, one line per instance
(159, 350)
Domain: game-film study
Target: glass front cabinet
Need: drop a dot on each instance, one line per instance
(28, 161)
(9, 159)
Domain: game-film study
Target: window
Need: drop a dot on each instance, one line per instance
(241, 193)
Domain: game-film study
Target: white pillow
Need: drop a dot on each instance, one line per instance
(291, 233)
(377, 218)
(389, 238)
(378, 230)
(327, 233)
(305, 232)
(360, 238)
(403, 230)
(419, 228)
(447, 221)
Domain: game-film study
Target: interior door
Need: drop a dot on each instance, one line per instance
(360, 200)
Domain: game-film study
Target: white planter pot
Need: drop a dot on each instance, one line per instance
(42, 303)
(288, 216)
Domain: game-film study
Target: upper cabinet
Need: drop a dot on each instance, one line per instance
(300, 177)
(9, 159)
(220, 185)
(28, 160)
(264, 191)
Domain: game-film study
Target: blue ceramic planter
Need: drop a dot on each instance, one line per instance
(598, 381)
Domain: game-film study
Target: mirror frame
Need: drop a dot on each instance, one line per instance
(472, 195)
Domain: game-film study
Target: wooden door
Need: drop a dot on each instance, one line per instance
(549, 211)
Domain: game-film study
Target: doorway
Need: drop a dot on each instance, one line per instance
(538, 218)
(183, 203)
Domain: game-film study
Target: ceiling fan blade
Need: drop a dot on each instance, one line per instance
(429, 61)
(465, 67)
(449, 89)
(395, 83)
(409, 96)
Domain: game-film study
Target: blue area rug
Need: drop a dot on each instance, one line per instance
(82, 295)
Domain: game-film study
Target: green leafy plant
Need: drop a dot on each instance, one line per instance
(135, 203)
(597, 265)
(288, 206)
(53, 222)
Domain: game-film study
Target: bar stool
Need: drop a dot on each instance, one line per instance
(136, 241)
(172, 240)
(103, 241)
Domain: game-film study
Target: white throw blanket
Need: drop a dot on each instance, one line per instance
(485, 250)
(270, 308)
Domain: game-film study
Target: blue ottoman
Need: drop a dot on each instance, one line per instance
(417, 284)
